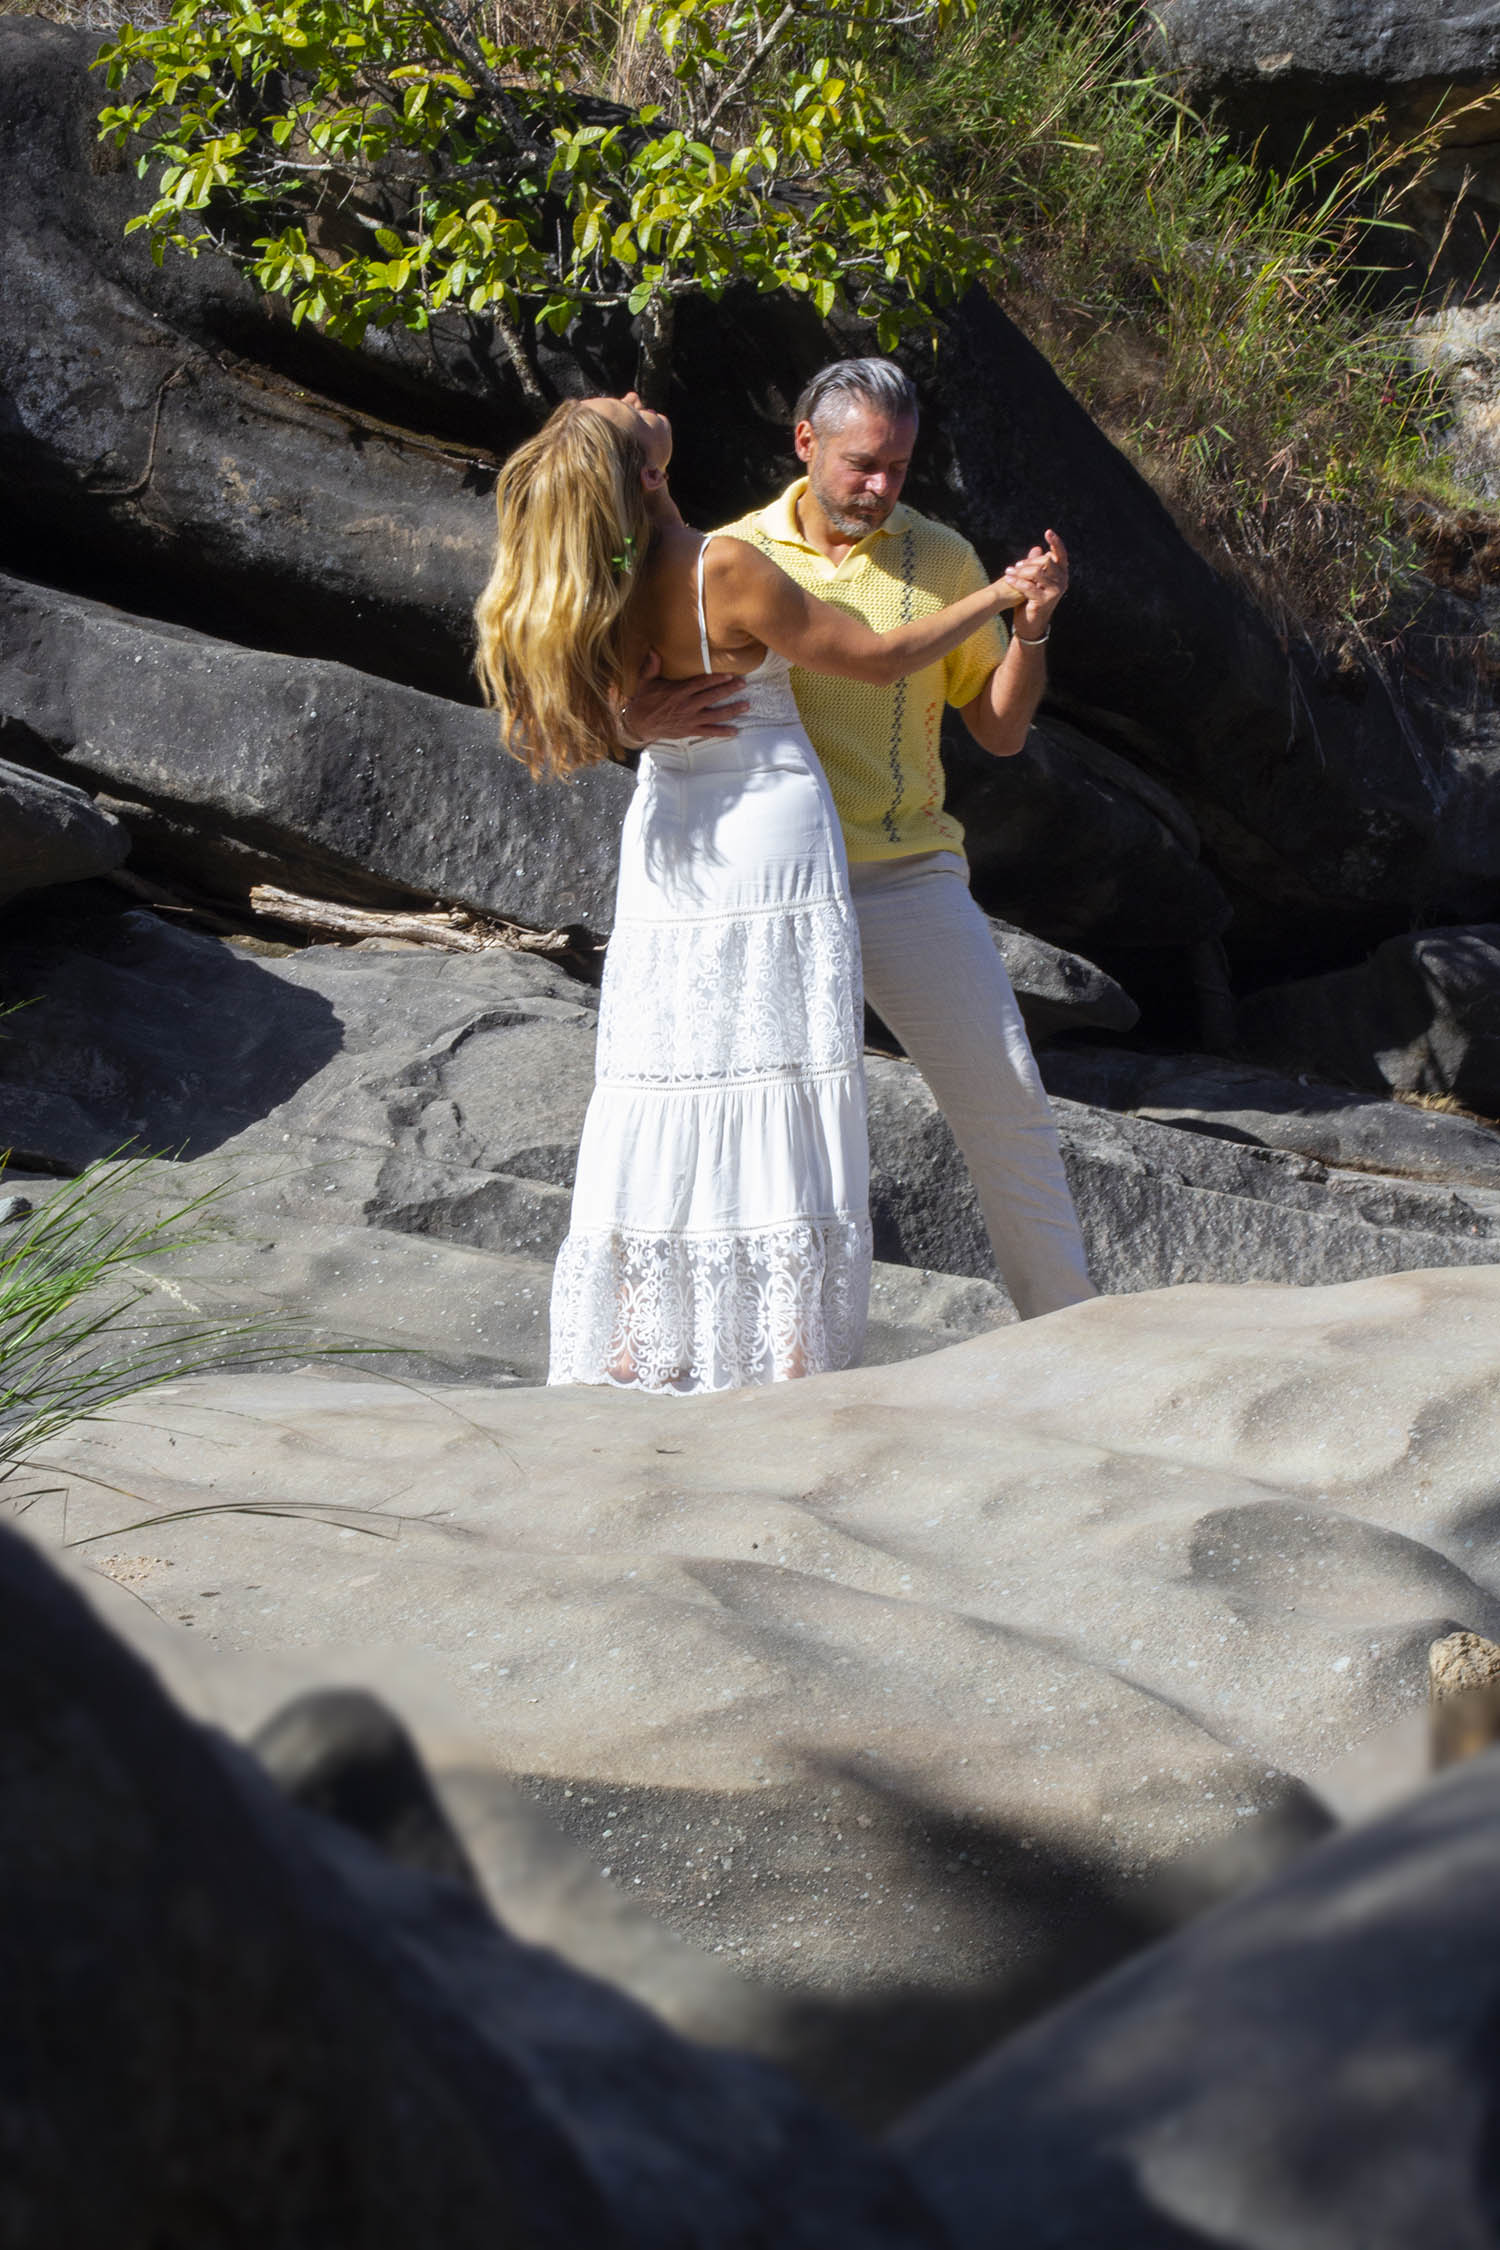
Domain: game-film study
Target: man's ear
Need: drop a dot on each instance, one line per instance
(804, 439)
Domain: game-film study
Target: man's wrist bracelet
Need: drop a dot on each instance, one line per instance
(1040, 641)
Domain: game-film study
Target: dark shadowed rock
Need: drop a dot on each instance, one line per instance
(1421, 1016)
(142, 459)
(52, 832)
(1311, 2064)
(239, 2009)
(235, 766)
(1325, 814)
(1069, 841)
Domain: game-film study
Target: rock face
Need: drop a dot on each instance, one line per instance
(238, 767)
(1158, 1205)
(1421, 1016)
(1058, 991)
(894, 1685)
(236, 2007)
(1283, 49)
(1316, 817)
(442, 1095)
(1307, 2065)
(167, 442)
(1134, 877)
(1263, 1108)
(51, 832)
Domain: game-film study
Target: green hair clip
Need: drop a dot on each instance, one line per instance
(625, 563)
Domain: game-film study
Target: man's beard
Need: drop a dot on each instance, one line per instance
(848, 521)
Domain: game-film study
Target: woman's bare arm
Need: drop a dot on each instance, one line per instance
(753, 598)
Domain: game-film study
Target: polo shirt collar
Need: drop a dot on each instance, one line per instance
(779, 520)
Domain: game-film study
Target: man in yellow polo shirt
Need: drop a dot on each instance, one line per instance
(931, 967)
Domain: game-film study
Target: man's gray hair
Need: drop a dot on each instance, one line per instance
(879, 383)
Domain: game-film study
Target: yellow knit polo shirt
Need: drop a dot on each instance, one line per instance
(879, 745)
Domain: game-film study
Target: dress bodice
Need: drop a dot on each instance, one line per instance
(769, 701)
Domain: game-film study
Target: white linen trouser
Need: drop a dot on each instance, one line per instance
(932, 972)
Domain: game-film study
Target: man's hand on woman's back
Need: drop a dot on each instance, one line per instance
(674, 710)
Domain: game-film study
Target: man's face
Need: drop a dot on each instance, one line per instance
(856, 467)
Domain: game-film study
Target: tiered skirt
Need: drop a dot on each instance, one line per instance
(720, 1233)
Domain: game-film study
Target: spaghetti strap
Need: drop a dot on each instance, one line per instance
(702, 618)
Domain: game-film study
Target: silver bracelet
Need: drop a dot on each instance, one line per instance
(1040, 641)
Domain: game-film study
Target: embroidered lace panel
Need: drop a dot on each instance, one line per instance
(752, 996)
(710, 1312)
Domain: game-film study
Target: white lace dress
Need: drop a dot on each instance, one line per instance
(720, 1231)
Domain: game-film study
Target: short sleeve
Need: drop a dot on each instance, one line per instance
(968, 666)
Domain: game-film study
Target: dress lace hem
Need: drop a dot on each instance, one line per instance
(710, 1312)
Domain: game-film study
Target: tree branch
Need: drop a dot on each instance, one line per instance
(743, 77)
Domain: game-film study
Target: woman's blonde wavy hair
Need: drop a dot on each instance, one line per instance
(573, 536)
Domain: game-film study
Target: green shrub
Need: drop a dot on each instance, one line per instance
(1218, 317)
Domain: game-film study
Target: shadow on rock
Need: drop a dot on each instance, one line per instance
(131, 1031)
(262, 2031)
(1315, 2063)
(1021, 1920)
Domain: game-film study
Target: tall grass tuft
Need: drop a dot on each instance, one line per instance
(71, 1344)
(1221, 319)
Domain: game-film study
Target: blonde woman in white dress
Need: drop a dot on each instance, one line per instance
(720, 1232)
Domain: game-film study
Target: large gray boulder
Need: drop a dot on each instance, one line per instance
(1421, 1016)
(1058, 990)
(1317, 52)
(52, 832)
(234, 766)
(236, 2008)
(1278, 72)
(144, 448)
(1311, 2064)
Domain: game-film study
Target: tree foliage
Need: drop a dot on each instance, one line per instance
(384, 161)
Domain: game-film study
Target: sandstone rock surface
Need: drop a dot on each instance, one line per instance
(894, 1686)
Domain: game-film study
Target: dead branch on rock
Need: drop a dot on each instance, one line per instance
(452, 927)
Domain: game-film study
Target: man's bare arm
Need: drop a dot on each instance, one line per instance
(1000, 715)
